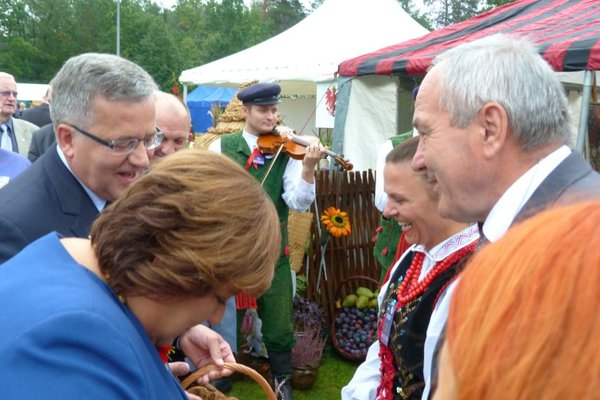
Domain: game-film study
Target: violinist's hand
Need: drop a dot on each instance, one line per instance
(204, 346)
(314, 153)
(284, 131)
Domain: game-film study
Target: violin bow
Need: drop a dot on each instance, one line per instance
(271, 165)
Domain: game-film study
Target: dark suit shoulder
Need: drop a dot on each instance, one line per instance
(41, 140)
(44, 198)
(581, 182)
(572, 181)
(39, 115)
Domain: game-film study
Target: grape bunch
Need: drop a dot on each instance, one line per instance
(356, 330)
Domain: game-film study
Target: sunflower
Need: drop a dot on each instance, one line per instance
(336, 221)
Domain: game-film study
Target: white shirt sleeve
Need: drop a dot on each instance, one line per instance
(297, 193)
(363, 385)
(380, 196)
(434, 330)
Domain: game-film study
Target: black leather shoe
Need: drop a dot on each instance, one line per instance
(223, 385)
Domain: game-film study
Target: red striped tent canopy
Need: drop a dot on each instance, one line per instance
(567, 33)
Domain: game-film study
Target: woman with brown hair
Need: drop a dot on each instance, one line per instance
(84, 318)
(523, 320)
(396, 366)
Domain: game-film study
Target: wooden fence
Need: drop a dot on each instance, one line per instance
(333, 266)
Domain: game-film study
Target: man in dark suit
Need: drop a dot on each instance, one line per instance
(39, 115)
(41, 140)
(495, 124)
(104, 117)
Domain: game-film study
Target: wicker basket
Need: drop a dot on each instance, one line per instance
(346, 287)
(205, 392)
(299, 224)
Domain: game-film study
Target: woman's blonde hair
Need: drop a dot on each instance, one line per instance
(194, 222)
(523, 320)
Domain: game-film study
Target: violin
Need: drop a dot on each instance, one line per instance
(286, 140)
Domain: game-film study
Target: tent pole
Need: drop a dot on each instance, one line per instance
(585, 110)
(185, 93)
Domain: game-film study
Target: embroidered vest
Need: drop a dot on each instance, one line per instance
(409, 330)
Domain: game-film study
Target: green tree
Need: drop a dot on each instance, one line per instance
(285, 14)
(446, 12)
(93, 26)
(489, 4)
(20, 49)
(46, 29)
(315, 4)
(411, 9)
(147, 40)
(37, 36)
(224, 29)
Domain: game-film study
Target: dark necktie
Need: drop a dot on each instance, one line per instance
(482, 239)
(5, 141)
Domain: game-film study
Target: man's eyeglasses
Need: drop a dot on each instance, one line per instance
(7, 93)
(123, 147)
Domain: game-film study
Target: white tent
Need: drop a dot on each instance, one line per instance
(31, 91)
(310, 52)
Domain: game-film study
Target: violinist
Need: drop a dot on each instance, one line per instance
(290, 184)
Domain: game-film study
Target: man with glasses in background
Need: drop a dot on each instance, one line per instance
(15, 134)
(174, 120)
(103, 114)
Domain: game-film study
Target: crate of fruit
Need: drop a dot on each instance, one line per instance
(354, 327)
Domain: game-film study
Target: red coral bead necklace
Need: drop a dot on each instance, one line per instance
(411, 287)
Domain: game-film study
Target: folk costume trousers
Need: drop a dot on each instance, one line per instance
(275, 310)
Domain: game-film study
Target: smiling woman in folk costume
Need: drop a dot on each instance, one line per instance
(394, 365)
(290, 184)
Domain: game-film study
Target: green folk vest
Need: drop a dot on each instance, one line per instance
(235, 147)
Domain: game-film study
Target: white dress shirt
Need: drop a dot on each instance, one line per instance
(99, 202)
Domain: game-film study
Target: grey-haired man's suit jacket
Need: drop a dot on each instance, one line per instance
(573, 180)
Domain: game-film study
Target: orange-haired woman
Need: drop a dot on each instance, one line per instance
(523, 320)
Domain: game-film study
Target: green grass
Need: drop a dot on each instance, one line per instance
(334, 373)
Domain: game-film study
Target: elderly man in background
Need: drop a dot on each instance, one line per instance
(103, 115)
(173, 119)
(494, 123)
(15, 134)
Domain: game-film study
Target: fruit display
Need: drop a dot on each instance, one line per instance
(355, 326)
